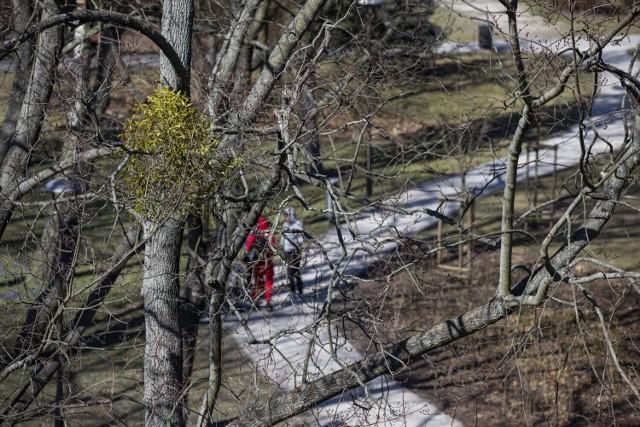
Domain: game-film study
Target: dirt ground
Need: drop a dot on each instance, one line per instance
(548, 366)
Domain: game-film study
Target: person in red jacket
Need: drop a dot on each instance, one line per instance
(259, 247)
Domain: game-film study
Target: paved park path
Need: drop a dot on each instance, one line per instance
(387, 402)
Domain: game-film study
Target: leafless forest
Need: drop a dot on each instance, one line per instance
(141, 142)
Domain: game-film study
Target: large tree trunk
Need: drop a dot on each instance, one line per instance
(58, 244)
(23, 57)
(32, 113)
(177, 27)
(192, 299)
(163, 351)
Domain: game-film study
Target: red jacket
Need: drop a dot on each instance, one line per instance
(263, 228)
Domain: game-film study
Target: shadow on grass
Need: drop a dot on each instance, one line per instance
(117, 330)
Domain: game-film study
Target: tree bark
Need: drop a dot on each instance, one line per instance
(32, 114)
(163, 360)
(192, 299)
(278, 59)
(177, 27)
(23, 60)
(219, 264)
(515, 148)
(534, 289)
(83, 16)
(163, 350)
(310, 139)
(102, 86)
(220, 80)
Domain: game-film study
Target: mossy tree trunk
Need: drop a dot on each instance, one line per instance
(160, 289)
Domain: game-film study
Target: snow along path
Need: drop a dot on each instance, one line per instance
(385, 402)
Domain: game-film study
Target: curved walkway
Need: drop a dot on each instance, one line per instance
(387, 402)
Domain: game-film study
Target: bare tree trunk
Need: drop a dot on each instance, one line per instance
(61, 229)
(232, 237)
(58, 243)
(220, 81)
(100, 98)
(515, 147)
(192, 298)
(32, 114)
(23, 60)
(216, 271)
(177, 27)
(278, 58)
(508, 204)
(215, 354)
(163, 350)
(310, 140)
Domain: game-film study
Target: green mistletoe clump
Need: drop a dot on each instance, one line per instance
(175, 164)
